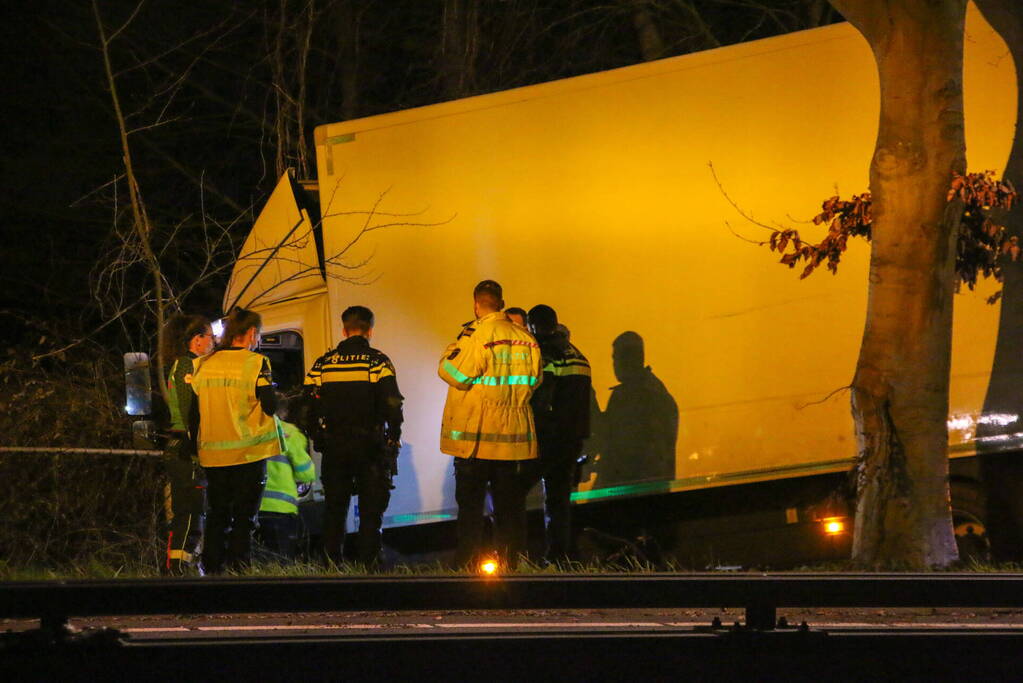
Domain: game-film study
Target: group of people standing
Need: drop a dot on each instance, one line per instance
(225, 437)
(517, 412)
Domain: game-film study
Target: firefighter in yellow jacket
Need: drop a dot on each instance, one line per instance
(493, 367)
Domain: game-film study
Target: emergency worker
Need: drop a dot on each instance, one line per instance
(492, 368)
(516, 315)
(561, 408)
(356, 425)
(287, 477)
(237, 433)
(184, 339)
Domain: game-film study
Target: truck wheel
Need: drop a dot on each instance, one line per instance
(969, 514)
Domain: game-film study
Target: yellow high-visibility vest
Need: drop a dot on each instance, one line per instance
(233, 429)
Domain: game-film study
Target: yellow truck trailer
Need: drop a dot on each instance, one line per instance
(595, 195)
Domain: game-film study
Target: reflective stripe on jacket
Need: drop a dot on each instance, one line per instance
(284, 472)
(354, 387)
(561, 406)
(233, 428)
(493, 368)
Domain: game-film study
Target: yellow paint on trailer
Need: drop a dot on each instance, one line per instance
(289, 291)
(283, 233)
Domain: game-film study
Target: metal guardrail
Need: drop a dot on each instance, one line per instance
(60, 450)
(761, 595)
(715, 653)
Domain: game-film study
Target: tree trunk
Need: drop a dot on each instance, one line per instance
(282, 108)
(900, 389)
(816, 13)
(459, 46)
(348, 58)
(1003, 472)
(141, 226)
(651, 45)
(303, 158)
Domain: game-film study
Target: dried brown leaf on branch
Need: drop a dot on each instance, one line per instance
(983, 243)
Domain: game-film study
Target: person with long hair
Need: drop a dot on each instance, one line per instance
(237, 432)
(183, 340)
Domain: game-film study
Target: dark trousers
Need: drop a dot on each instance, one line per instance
(558, 465)
(354, 466)
(278, 536)
(235, 493)
(509, 481)
(185, 506)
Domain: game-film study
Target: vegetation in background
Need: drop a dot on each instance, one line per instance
(213, 101)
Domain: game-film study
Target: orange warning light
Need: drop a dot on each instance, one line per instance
(833, 526)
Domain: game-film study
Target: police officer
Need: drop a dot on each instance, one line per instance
(492, 368)
(561, 408)
(356, 425)
(516, 315)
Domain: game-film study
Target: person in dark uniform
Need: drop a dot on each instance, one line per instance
(184, 339)
(561, 409)
(355, 422)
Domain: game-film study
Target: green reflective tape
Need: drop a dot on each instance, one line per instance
(627, 490)
(495, 438)
(699, 482)
(216, 382)
(419, 518)
(243, 443)
(278, 495)
(566, 370)
(455, 373)
(505, 380)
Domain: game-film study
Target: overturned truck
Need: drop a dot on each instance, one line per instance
(722, 435)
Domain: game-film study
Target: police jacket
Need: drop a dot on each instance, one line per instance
(492, 369)
(353, 389)
(561, 405)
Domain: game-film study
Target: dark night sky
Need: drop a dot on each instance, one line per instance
(60, 143)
